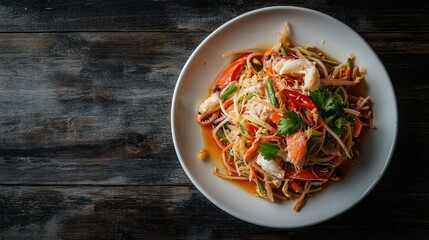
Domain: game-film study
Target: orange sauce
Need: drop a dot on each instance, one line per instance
(215, 157)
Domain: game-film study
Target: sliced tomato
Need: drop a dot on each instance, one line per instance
(250, 128)
(316, 173)
(228, 103)
(295, 185)
(231, 72)
(275, 117)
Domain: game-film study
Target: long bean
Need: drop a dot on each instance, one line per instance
(228, 91)
(270, 91)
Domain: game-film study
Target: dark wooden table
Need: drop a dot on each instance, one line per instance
(85, 140)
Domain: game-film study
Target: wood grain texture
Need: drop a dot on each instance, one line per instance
(183, 213)
(164, 15)
(87, 103)
(85, 139)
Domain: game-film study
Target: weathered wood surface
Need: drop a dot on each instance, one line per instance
(85, 138)
(161, 212)
(164, 15)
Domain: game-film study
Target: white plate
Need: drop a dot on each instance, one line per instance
(253, 29)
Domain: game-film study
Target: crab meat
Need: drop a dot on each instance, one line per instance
(209, 110)
(257, 109)
(297, 148)
(301, 66)
(271, 166)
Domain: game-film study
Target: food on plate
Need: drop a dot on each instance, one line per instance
(286, 119)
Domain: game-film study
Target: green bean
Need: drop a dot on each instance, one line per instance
(228, 91)
(270, 91)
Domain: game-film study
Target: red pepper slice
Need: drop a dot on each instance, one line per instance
(230, 73)
(305, 104)
(317, 127)
(292, 105)
(309, 117)
(299, 99)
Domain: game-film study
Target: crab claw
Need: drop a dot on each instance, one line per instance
(205, 119)
(209, 110)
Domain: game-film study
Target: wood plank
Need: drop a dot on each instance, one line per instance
(38, 16)
(183, 213)
(89, 107)
(71, 89)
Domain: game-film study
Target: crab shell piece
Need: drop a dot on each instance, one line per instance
(209, 110)
(207, 118)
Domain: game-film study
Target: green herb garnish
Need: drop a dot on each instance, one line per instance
(268, 150)
(289, 123)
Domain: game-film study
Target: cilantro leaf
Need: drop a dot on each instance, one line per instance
(335, 121)
(330, 104)
(289, 123)
(268, 150)
(327, 101)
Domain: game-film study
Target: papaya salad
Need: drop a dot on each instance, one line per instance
(286, 119)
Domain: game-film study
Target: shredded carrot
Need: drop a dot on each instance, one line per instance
(357, 127)
(228, 147)
(252, 173)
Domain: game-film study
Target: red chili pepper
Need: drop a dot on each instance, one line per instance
(292, 105)
(317, 127)
(299, 99)
(310, 118)
(230, 73)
